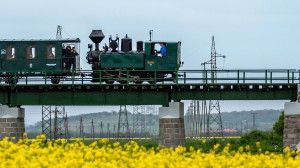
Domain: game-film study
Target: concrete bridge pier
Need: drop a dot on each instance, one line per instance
(11, 122)
(291, 131)
(171, 125)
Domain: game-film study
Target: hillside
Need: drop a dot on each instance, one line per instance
(264, 121)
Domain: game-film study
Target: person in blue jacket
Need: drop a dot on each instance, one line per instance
(163, 50)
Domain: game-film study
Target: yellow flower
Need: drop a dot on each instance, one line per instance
(216, 146)
(77, 154)
(257, 144)
(247, 148)
(286, 150)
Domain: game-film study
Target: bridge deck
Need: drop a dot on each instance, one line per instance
(187, 85)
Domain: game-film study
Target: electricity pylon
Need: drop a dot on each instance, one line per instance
(214, 106)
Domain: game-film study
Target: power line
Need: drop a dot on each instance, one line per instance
(253, 113)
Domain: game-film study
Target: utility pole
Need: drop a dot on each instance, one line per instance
(143, 120)
(58, 32)
(247, 126)
(253, 120)
(236, 127)
(101, 130)
(92, 130)
(241, 127)
(194, 118)
(81, 128)
(150, 120)
(198, 120)
(189, 121)
(55, 124)
(114, 131)
(203, 120)
(66, 127)
(107, 131)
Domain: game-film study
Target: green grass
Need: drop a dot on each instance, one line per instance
(235, 144)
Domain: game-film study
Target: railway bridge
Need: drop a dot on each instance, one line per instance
(77, 89)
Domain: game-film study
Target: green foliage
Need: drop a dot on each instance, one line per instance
(269, 140)
(278, 126)
(254, 136)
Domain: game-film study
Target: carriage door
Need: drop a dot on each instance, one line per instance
(71, 58)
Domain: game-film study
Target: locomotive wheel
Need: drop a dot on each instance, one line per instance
(109, 81)
(151, 82)
(122, 82)
(138, 82)
(55, 81)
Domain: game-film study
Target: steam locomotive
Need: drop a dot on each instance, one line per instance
(144, 65)
(50, 58)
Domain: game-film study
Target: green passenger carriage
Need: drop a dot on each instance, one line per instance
(37, 57)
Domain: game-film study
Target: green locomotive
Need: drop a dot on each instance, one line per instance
(143, 65)
(55, 59)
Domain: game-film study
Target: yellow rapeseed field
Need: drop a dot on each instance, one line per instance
(102, 154)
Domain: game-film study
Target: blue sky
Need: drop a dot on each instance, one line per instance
(251, 33)
(262, 34)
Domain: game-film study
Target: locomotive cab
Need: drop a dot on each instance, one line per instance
(155, 49)
(155, 61)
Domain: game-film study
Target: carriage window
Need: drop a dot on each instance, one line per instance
(30, 53)
(11, 52)
(51, 52)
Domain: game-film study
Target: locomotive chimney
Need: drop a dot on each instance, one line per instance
(97, 36)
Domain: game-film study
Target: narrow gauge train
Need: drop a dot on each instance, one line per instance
(22, 58)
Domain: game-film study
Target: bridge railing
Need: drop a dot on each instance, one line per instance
(248, 77)
(131, 77)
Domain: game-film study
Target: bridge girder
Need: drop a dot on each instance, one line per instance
(68, 95)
